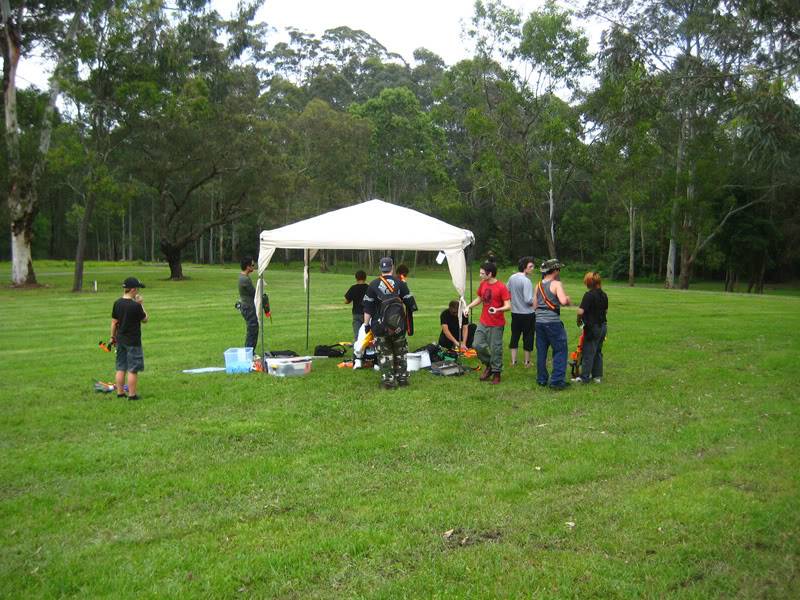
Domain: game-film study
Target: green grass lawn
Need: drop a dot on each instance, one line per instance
(679, 476)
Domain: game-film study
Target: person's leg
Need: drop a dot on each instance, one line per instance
(385, 361)
(358, 321)
(119, 381)
(516, 331)
(400, 349)
(121, 368)
(589, 353)
(528, 337)
(133, 380)
(559, 342)
(496, 348)
(251, 318)
(541, 354)
(597, 368)
(481, 345)
(135, 366)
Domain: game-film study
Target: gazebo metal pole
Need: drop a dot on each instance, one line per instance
(263, 327)
(308, 295)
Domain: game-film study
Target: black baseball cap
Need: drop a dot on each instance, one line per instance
(132, 282)
(387, 264)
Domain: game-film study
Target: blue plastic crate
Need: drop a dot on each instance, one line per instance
(238, 360)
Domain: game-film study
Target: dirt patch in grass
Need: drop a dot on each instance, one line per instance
(462, 538)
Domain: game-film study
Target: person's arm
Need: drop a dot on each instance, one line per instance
(138, 299)
(114, 327)
(473, 304)
(369, 305)
(560, 293)
(529, 292)
(464, 335)
(448, 335)
(348, 296)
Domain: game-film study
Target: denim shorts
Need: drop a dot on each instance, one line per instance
(130, 358)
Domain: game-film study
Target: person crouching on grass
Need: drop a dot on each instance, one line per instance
(488, 341)
(127, 317)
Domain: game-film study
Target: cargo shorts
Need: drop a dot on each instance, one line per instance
(130, 358)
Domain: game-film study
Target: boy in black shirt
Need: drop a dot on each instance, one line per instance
(356, 295)
(127, 317)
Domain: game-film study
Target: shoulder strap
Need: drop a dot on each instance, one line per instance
(388, 285)
(547, 300)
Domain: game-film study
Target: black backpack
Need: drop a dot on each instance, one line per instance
(334, 350)
(391, 310)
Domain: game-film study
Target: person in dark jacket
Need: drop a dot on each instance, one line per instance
(592, 312)
(247, 304)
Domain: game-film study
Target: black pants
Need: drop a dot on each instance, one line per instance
(522, 324)
(251, 318)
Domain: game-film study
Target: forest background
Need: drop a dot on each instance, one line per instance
(169, 132)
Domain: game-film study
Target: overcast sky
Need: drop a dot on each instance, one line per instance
(400, 25)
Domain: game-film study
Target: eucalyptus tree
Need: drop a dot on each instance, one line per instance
(535, 136)
(704, 53)
(51, 26)
(197, 141)
(405, 149)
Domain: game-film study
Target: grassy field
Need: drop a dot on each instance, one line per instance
(679, 476)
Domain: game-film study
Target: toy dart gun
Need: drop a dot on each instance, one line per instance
(108, 346)
(575, 357)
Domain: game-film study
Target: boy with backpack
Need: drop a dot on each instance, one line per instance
(388, 305)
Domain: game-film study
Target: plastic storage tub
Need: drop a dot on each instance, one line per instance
(238, 360)
(288, 367)
(418, 360)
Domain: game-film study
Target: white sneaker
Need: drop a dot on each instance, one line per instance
(576, 380)
(597, 380)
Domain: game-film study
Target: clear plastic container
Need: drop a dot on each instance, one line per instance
(288, 367)
(238, 360)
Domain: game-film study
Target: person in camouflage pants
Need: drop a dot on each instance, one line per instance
(388, 309)
(392, 350)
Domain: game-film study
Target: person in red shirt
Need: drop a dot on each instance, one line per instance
(488, 341)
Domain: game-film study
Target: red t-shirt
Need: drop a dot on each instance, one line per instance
(493, 294)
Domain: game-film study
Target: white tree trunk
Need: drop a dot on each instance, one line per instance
(21, 263)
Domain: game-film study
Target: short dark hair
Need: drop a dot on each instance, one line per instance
(524, 262)
(490, 267)
(361, 275)
(453, 304)
(246, 262)
(402, 270)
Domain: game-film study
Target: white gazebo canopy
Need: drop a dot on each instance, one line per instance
(371, 225)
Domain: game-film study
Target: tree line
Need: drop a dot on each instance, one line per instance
(169, 132)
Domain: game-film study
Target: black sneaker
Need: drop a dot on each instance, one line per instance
(559, 386)
(121, 396)
(386, 385)
(402, 382)
(134, 397)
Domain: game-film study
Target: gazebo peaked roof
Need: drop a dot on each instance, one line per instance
(371, 225)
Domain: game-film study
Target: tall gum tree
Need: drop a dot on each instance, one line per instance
(23, 27)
